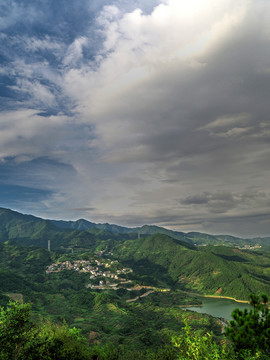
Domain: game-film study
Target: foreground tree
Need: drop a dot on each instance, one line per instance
(22, 339)
(250, 329)
(16, 329)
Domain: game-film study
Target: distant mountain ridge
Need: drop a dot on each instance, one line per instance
(14, 225)
(195, 238)
(83, 224)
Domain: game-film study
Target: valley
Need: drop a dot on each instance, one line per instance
(115, 285)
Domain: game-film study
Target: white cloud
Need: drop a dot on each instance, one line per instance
(24, 132)
(227, 121)
(13, 12)
(149, 54)
(39, 93)
(34, 44)
(75, 51)
(38, 80)
(235, 132)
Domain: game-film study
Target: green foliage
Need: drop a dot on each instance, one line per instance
(15, 330)
(198, 346)
(51, 341)
(250, 330)
(22, 339)
(112, 352)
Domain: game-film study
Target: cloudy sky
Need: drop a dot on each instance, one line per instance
(135, 112)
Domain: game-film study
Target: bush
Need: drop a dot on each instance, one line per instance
(16, 329)
(196, 346)
(22, 339)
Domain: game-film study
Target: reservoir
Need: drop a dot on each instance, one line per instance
(221, 308)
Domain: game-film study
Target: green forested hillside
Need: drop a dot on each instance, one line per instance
(103, 315)
(208, 270)
(31, 231)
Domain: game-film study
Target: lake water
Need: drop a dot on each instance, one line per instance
(219, 307)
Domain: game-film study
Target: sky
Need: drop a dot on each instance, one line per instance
(142, 112)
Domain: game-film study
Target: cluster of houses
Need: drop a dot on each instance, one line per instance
(77, 265)
(96, 268)
(105, 274)
(249, 247)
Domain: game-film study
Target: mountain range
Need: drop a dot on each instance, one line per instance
(31, 230)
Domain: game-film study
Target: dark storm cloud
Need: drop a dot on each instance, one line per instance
(197, 199)
(83, 209)
(224, 201)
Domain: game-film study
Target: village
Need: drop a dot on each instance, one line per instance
(104, 275)
(101, 272)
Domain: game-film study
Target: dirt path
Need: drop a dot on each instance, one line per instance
(140, 296)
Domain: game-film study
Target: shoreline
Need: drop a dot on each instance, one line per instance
(225, 297)
(215, 297)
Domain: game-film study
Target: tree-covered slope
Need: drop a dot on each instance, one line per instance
(31, 231)
(208, 270)
(27, 229)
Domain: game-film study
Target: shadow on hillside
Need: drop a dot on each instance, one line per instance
(231, 258)
(149, 273)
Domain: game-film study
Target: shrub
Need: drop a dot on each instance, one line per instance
(196, 346)
(22, 339)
